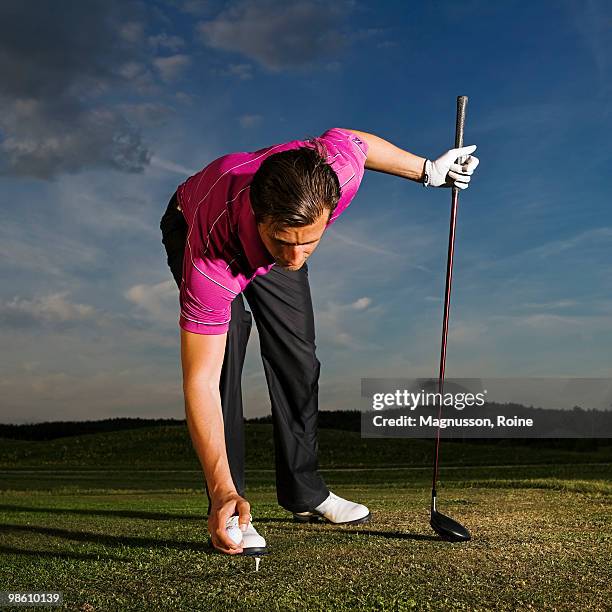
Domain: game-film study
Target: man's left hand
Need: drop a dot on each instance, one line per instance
(452, 169)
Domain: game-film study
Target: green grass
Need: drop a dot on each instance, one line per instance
(116, 522)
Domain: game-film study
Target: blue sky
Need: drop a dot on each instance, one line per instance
(107, 107)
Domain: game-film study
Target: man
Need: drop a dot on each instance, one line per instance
(245, 225)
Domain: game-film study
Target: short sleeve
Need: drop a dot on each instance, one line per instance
(346, 153)
(205, 300)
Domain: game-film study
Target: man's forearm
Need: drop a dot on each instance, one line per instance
(205, 423)
(384, 156)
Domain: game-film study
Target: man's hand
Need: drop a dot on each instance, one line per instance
(222, 507)
(445, 172)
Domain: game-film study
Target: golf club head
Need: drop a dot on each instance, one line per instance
(447, 528)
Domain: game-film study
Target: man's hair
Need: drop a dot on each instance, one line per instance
(293, 188)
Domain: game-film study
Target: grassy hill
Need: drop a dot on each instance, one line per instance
(169, 446)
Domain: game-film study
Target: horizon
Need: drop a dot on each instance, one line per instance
(269, 415)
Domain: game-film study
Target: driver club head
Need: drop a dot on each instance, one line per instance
(447, 528)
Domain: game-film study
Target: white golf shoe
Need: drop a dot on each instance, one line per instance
(252, 543)
(336, 510)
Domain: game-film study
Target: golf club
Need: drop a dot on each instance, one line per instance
(446, 527)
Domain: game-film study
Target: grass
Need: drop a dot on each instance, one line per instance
(116, 522)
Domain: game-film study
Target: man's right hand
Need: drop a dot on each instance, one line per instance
(222, 507)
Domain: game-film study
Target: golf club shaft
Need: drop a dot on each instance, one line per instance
(461, 106)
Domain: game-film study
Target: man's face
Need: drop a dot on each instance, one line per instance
(291, 246)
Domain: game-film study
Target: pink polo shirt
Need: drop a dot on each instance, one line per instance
(224, 251)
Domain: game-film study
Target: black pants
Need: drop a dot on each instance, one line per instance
(281, 304)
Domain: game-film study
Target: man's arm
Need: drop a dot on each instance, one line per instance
(386, 157)
(202, 360)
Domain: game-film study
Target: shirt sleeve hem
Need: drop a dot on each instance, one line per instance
(213, 329)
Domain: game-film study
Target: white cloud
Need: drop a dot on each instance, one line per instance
(185, 98)
(146, 113)
(36, 145)
(53, 308)
(276, 34)
(53, 119)
(557, 304)
(361, 242)
(170, 166)
(587, 237)
(132, 32)
(361, 303)
(547, 322)
(466, 331)
(242, 71)
(158, 301)
(336, 322)
(163, 40)
(171, 67)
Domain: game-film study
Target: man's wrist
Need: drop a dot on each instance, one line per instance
(426, 176)
(222, 491)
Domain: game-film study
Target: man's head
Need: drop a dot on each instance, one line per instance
(293, 194)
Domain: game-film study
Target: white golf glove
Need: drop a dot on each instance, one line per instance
(452, 169)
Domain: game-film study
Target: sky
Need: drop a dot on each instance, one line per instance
(108, 106)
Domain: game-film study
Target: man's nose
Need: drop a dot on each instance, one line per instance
(294, 254)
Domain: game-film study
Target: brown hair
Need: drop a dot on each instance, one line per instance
(293, 188)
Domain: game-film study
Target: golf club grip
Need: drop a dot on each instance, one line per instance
(461, 106)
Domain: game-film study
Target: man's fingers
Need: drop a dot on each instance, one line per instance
(222, 541)
(462, 154)
(471, 163)
(244, 514)
(225, 549)
(462, 169)
(459, 177)
(461, 151)
(222, 538)
(218, 533)
(453, 154)
(462, 173)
